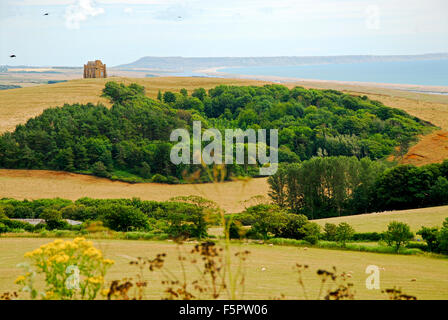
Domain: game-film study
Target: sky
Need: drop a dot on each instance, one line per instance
(122, 31)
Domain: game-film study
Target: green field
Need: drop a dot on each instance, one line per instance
(377, 222)
(429, 274)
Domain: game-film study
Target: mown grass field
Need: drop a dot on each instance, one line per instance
(429, 274)
(416, 218)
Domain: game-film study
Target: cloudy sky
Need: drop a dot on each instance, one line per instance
(121, 31)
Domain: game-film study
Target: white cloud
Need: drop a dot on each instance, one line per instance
(80, 11)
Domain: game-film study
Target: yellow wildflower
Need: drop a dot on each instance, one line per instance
(20, 279)
(62, 258)
(93, 253)
(96, 280)
(108, 261)
(49, 294)
(105, 292)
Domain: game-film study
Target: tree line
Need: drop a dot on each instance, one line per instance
(335, 186)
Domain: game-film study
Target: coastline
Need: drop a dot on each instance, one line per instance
(322, 84)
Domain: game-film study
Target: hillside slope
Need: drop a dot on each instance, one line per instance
(371, 222)
(18, 105)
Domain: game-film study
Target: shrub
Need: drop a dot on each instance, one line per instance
(123, 218)
(397, 234)
(100, 170)
(235, 230)
(344, 232)
(145, 170)
(253, 234)
(295, 227)
(311, 239)
(17, 225)
(79, 212)
(3, 228)
(430, 236)
(187, 222)
(367, 236)
(53, 219)
(40, 226)
(330, 232)
(311, 232)
(158, 178)
(418, 245)
(270, 221)
(442, 237)
(246, 218)
(169, 97)
(94, 226)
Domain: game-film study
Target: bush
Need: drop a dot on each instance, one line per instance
(442, 238)
(100, 170)
(79, 212)
(295, 227)
(418, 245)
(397, 234)
(123, 218)
(270, 220)
(367, 236)
(246, 218)
(17, 225)
(253, 234)
(53, 219)
(235, 230)
(344, 232)
(430, 236)
(311, 232)
(3, 228)
(330, 232)
(311, 239)
(186, 221)
(158, 178)
(94, 226)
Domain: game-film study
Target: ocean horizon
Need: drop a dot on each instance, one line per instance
(419, 72)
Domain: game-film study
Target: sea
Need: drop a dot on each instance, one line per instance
(417, 72)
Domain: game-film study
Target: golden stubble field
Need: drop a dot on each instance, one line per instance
(37, 184)
(421, 276)
(18, 105)
(377, 222)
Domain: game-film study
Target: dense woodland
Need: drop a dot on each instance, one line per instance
(335, 186)
(130, 141)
